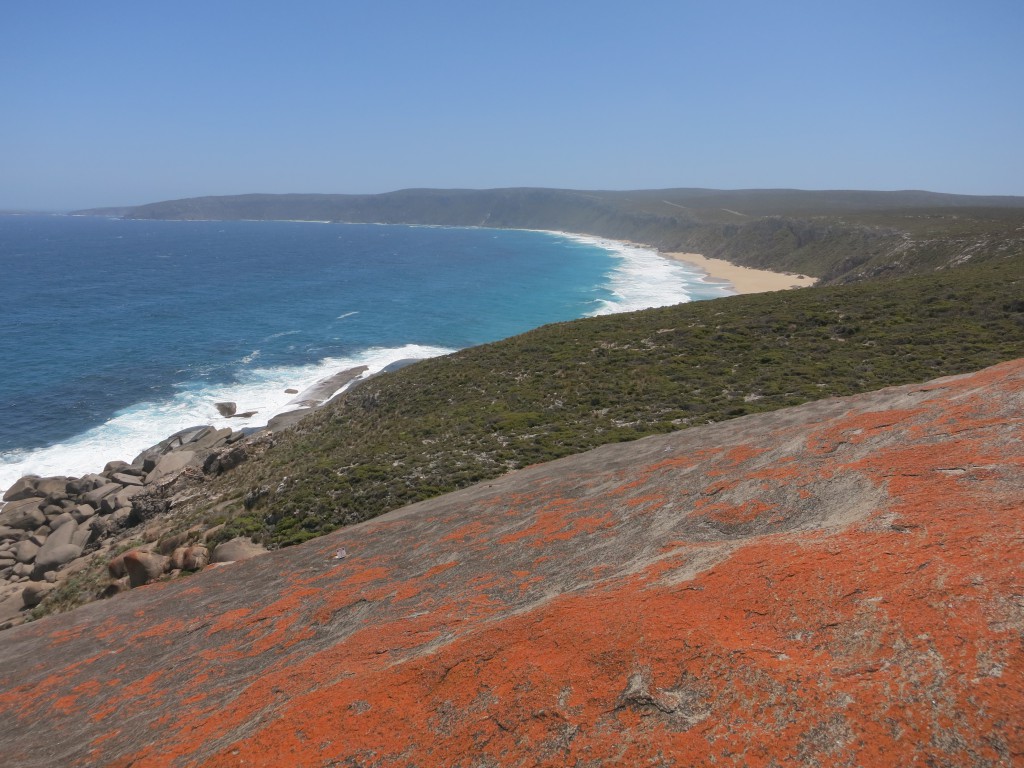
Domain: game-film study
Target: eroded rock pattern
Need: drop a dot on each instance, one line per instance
(838, 584)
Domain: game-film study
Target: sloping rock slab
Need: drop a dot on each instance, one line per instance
(834, 584)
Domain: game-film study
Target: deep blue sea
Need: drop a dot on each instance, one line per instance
(115, 334)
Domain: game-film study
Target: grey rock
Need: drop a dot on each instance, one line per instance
(11, 606)
(22, 570)
(35, 593)
(39, 536)
(22, 488)
(46, 559)
(240, 548)
(120, 518)
(82, 512)
(144, 567)
(169, 465)
(126, 479)
(115, 466)
(26, 551)
(55, 558)
(226, 409)
(57, 521)
(213, 439)
(124, 498)
(47, 485)
(8, 533)
(85, 533)
(146, 506)
(94, 497)
(225, 460)
(23, 514)
(85, 484)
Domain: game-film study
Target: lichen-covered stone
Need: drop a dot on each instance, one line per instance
(837, 584)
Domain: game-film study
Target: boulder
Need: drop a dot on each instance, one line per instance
(82, 512)
(26, 551)
(85, 533)
(191, 558)
(146, 506)
(240, 548)
(22, 489)
(143, 567)
(35, 592)
(115, 466)
(212, 439)
(171, 543)
(57, 521)
(24, 514)
(226, 409)
(11, 606)
(55, 558)
(169, 465)
(94, 497)
(47, 485)
(224, 460)
(47, 558)
(116, 567)
(7, 533)
(126, 479)
(196, 558)
(122, 498)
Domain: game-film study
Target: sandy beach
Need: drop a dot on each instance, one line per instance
(743, 279)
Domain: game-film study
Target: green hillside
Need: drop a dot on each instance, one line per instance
(838, 236)
(450, 422)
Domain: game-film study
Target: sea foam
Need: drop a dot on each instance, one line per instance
(645, 279)
(142, 425)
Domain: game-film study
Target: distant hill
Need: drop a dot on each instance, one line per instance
(838, 236)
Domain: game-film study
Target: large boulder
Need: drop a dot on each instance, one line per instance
(240, 548)
(95, 497)
(22, 489)
(226, 409)
(26, 551)
(35, 592)
(144, 567)
(23, 514)
(169, 465)
(57, 550)
(46, 486)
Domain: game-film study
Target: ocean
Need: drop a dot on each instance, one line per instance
(115, 333)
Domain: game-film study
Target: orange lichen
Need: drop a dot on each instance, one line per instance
(592, 622)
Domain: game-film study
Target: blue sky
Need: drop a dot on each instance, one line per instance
(110, 103)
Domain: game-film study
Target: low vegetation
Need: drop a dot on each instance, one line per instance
(450, 422)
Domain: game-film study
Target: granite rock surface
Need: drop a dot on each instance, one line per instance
(837, 584)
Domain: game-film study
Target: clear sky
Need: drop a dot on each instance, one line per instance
(112, 103)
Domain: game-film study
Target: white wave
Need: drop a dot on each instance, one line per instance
(644, 278)
(142, 425)
(250, 357)
(281, 334)
(347, 314)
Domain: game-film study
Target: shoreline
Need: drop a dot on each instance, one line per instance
(717, 274)
(743, 280)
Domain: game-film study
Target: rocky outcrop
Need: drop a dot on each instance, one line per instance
(50, 527)
(833, 584)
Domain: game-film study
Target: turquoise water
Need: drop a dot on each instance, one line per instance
(115, 334)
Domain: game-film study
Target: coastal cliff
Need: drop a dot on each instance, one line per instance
(826, 584)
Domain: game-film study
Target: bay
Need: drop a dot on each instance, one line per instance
(116, 333)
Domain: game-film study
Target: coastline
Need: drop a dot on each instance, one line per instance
(743, 280)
